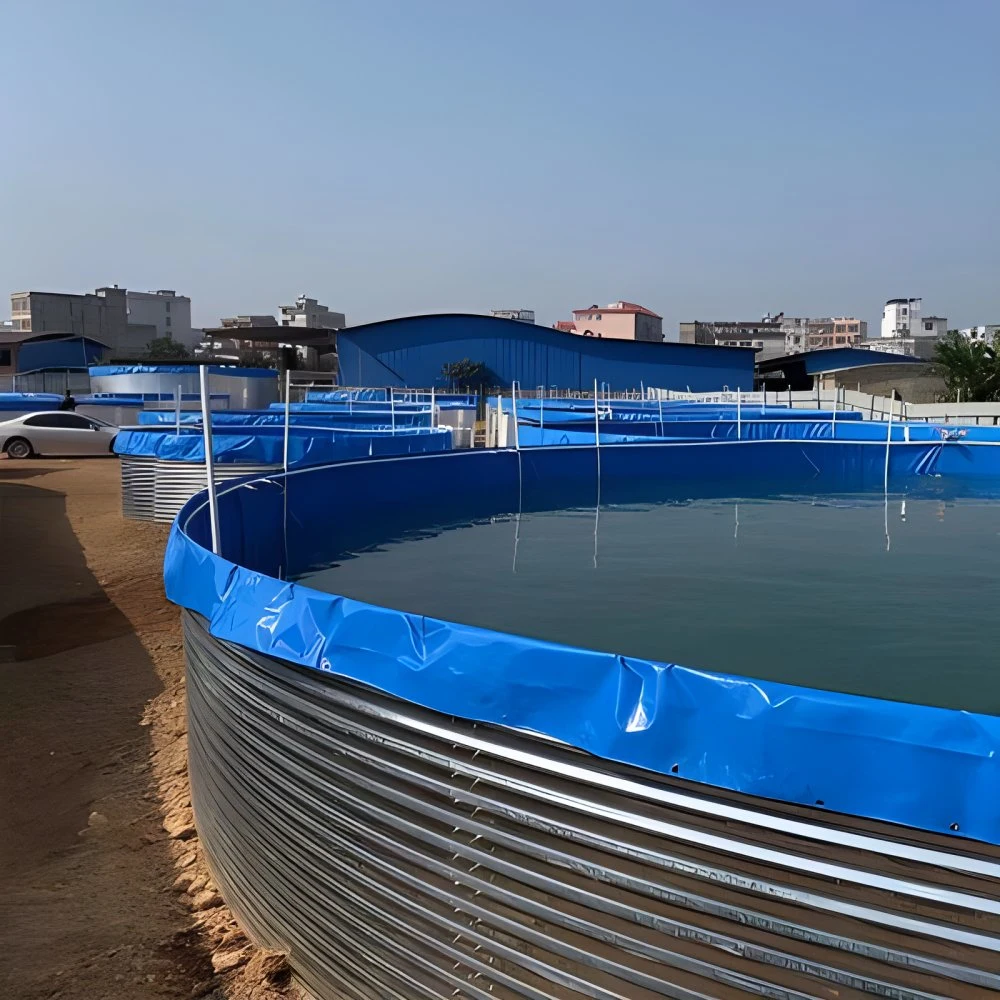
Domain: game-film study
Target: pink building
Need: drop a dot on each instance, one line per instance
(619, 321)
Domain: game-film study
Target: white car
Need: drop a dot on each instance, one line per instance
(61, 432)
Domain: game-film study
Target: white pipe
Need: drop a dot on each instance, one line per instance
(177, 411)
(833, 420)
(888, 441)
(513, 408)
(288, 407)
(739, 421)
(392, 410)
(659, 399)
(206, 430)
(597, 436)
(433, 418)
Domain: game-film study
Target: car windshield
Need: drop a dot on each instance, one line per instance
(97, 420)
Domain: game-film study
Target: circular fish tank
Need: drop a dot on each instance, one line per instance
(644, 720)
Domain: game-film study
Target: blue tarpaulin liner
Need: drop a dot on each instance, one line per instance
(25, 401)
(260, 418)
(381, 395)
(99, 370)
(928, 768)
(265, 445)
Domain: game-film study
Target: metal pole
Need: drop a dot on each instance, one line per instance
(888, 441)
(833, 419)
(392, 411)
(177, 411)
(513, 407)
(597, 435)
(288, 407)
(206, 430)
(659, 399)
(433, 419)
(739, 422)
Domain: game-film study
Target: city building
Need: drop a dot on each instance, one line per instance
(521, 315)
(805, 334)
(618, 321)
(100, 316)
(165, 310)
(984, 333)
(309, 314)
(906, 331)
(766, 336)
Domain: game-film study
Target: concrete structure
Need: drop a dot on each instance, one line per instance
(618, 321)
(984, 333)
(166, 311)
(900, 317)
(835, 331)
(766, 336)
(100, 316)
(412, 352)
(521, 315)
(309, 314)
(906, 331)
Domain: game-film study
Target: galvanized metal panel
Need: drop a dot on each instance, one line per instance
(394, 852)
(155, 490)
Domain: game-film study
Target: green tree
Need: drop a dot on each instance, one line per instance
(969, 367)
(166, 347)
(465, 373)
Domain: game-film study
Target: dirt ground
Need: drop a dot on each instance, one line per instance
(103, 888)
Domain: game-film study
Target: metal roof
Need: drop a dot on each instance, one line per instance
(835, 359)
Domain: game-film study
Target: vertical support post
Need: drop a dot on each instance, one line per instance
(659, 400)
(288, 416)
(819, 405)
(789, 397)
(177, 411)
(392, 410)
(597, 435)
(513, 408)
(541, 414)
(833, 418)
(433, 417)
(206, 430)
(739, 419)
(888, 441)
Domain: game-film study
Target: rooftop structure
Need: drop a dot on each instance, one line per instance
(619, 320)
(309, 314)
(521, 315)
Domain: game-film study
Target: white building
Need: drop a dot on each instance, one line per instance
(985, 332)
(796, 331)
(165, 310)
(902, 318)
(899, 317)
(310, 314)
(521, 315)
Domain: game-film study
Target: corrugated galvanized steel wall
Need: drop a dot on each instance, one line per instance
(394, 852)
(412, 351)
(155, 490)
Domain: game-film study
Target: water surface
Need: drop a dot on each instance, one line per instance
(808, 591)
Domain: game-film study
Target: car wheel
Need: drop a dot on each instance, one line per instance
(19, 448)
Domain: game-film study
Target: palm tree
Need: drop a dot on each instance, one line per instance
(969, 367)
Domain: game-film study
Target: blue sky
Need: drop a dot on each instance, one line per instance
(709, 159)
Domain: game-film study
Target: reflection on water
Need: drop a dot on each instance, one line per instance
(872, 595)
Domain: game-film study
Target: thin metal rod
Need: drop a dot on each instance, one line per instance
(392, 410)
(433, 418)
(288, 407)
(888, 441)
(177, 411)
(597, 435)
(206, 430)
(739, 421)
(513, 407)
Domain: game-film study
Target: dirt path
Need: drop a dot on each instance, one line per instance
(94, 881)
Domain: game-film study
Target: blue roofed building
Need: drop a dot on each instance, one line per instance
(413, 351)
